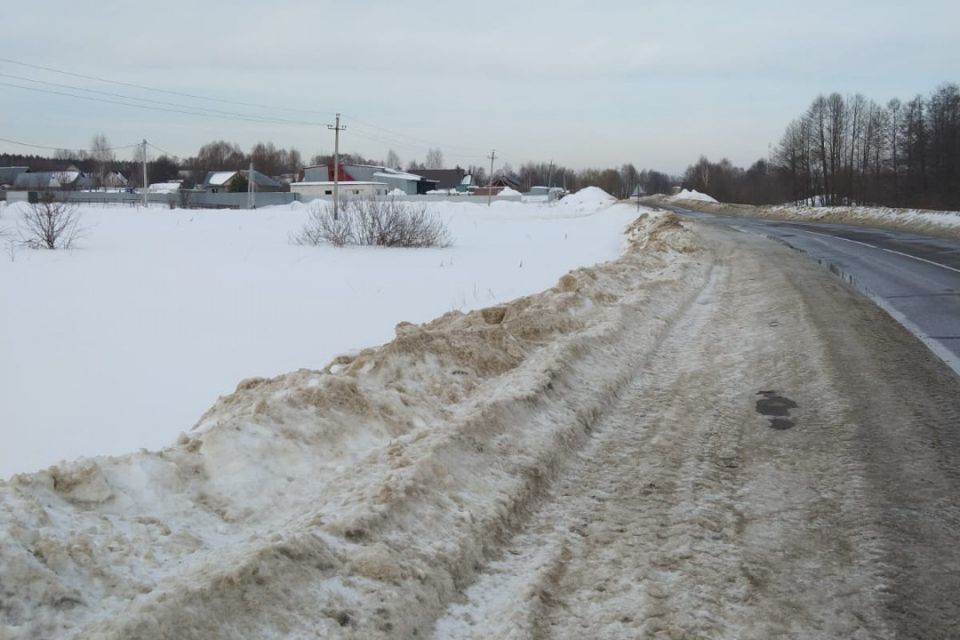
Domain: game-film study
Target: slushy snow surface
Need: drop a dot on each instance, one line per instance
(124, 342)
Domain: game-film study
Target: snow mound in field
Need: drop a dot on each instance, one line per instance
(395, 193)
(350, 501)
(507, 191)
(587, 199)
(688, 194)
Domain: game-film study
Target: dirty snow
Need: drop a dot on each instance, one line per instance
(350, 499)
(158, 312)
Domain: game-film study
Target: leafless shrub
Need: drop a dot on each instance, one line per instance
(322, 228)
(375, 222)
(50, 224)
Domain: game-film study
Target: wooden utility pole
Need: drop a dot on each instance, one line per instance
(492, 156)
(336, 165)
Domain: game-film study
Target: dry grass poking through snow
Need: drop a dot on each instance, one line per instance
(348, 502)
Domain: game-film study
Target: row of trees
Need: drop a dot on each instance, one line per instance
(848, 150)
(267, 158)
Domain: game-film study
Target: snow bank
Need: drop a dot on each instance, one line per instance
(587, 199)
(946, 223)
(397, 193)
(695, 196)
(507, 191)
(910, 219)
(348, 501)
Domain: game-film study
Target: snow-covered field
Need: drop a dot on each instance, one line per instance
(123, 342)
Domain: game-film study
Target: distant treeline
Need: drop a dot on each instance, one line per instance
(848, 150)
(220, 155)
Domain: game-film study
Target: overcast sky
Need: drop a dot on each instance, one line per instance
(583, 83)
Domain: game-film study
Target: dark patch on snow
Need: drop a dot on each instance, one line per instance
(777, 408)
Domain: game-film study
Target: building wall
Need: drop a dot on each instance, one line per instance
(323, 173)
(349, 189)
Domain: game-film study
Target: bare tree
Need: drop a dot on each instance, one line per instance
(50, 224)
(103, 158)
(393, 160)
(434, 159)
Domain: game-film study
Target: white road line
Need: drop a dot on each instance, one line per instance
(937, 264)
(872, 246)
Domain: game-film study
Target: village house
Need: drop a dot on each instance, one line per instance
(234, 181)
(69, 179)
(409, 183)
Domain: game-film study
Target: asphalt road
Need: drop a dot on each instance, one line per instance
(915, 278)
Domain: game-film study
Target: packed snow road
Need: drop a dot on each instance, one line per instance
(785, 464)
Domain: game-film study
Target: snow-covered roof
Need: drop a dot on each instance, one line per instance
(46, 179)
(220, 178)
(164, 187)
(397, 175)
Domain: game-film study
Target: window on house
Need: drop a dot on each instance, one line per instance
(328, 193)
(356, 192)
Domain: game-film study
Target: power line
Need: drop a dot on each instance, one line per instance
(394, 138)
(421, 143)
(205, 110)
(40, 146)
(405, 145)
(151, 108)
(166, 153)
(167, 91)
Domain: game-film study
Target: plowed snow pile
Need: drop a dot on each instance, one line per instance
(586, 199)
(692, 196)
(352, 501)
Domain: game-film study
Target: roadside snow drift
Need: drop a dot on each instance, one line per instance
(351, 501)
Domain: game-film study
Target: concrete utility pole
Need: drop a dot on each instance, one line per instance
(251, 201)
(336, 165)
(144, 146)
(550, 183)
(492, 156)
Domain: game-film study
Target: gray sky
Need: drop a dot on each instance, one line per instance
(583, 83)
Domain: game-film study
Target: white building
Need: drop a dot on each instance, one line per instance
(348, 189)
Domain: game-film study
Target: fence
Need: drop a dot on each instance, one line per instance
(185, 199)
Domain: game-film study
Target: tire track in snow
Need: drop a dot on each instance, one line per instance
(689, 517)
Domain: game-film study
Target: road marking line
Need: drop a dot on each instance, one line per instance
(907, 255)
(872, 246)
